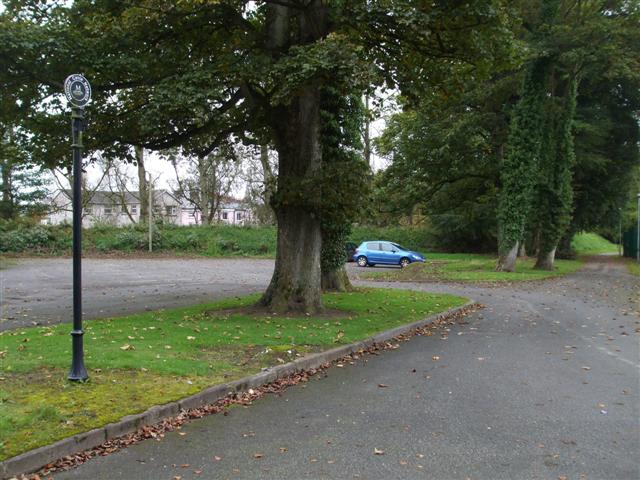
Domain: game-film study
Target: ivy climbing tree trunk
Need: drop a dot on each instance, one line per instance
(555, 191)
(519, 167)
(344, 183)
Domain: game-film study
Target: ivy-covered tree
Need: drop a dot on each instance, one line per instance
(519, 168)
(554, 189)
(345, 181)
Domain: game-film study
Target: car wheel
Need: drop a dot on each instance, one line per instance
(362, 261)
(404, 262)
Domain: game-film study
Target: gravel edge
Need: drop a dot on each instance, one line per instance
(36, 459)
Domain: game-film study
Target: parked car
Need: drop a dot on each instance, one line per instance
(383, 252)
(350, 248)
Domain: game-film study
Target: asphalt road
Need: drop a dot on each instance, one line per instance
(38, 291)
(541, 384)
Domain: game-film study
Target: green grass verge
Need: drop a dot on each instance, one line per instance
(592, 244)
(142, 360)
(468, 268)
(634, 267)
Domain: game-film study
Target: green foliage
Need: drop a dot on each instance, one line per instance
(445, 154)
(414, 238)
(554, 193)
(19, 236)
(23, 185)
(519, 168)
(214, 240)
(346, 176)
(142, 360)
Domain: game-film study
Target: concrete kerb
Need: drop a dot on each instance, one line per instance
(35, 459)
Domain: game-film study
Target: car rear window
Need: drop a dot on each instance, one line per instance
(373, 246)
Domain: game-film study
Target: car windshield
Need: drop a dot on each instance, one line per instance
(400, 247)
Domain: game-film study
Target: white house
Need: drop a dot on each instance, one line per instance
(231, 211)
(123, 208)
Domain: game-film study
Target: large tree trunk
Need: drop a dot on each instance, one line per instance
(507, 261)
(522, 252)
(336, 281)
(295, 284)
(143, 189)
(545, 260)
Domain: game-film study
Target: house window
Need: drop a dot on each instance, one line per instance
(88, 209)
(225, 215)
(170, 209)
(134, 209)
(108, 210)
(238, 215)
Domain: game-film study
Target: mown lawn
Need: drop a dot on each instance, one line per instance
(592, 244)
(466, 268)
(138, 361)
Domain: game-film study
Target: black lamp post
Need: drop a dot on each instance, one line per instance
(78, 93)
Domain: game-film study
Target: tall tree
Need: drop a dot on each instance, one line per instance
(188, 74)
(519, 169)
(557, 158)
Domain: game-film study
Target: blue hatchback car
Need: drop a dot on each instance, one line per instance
(388, 253)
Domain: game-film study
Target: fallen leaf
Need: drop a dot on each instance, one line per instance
(217, 458)
(435, 357)
(383, 385)
(586, 368)
(258, 455)
(377, 451)
(127, 347)
(283, 449)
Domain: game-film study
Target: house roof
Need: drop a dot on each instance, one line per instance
(106, 197)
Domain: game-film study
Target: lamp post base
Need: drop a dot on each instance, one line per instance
(78, 372)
